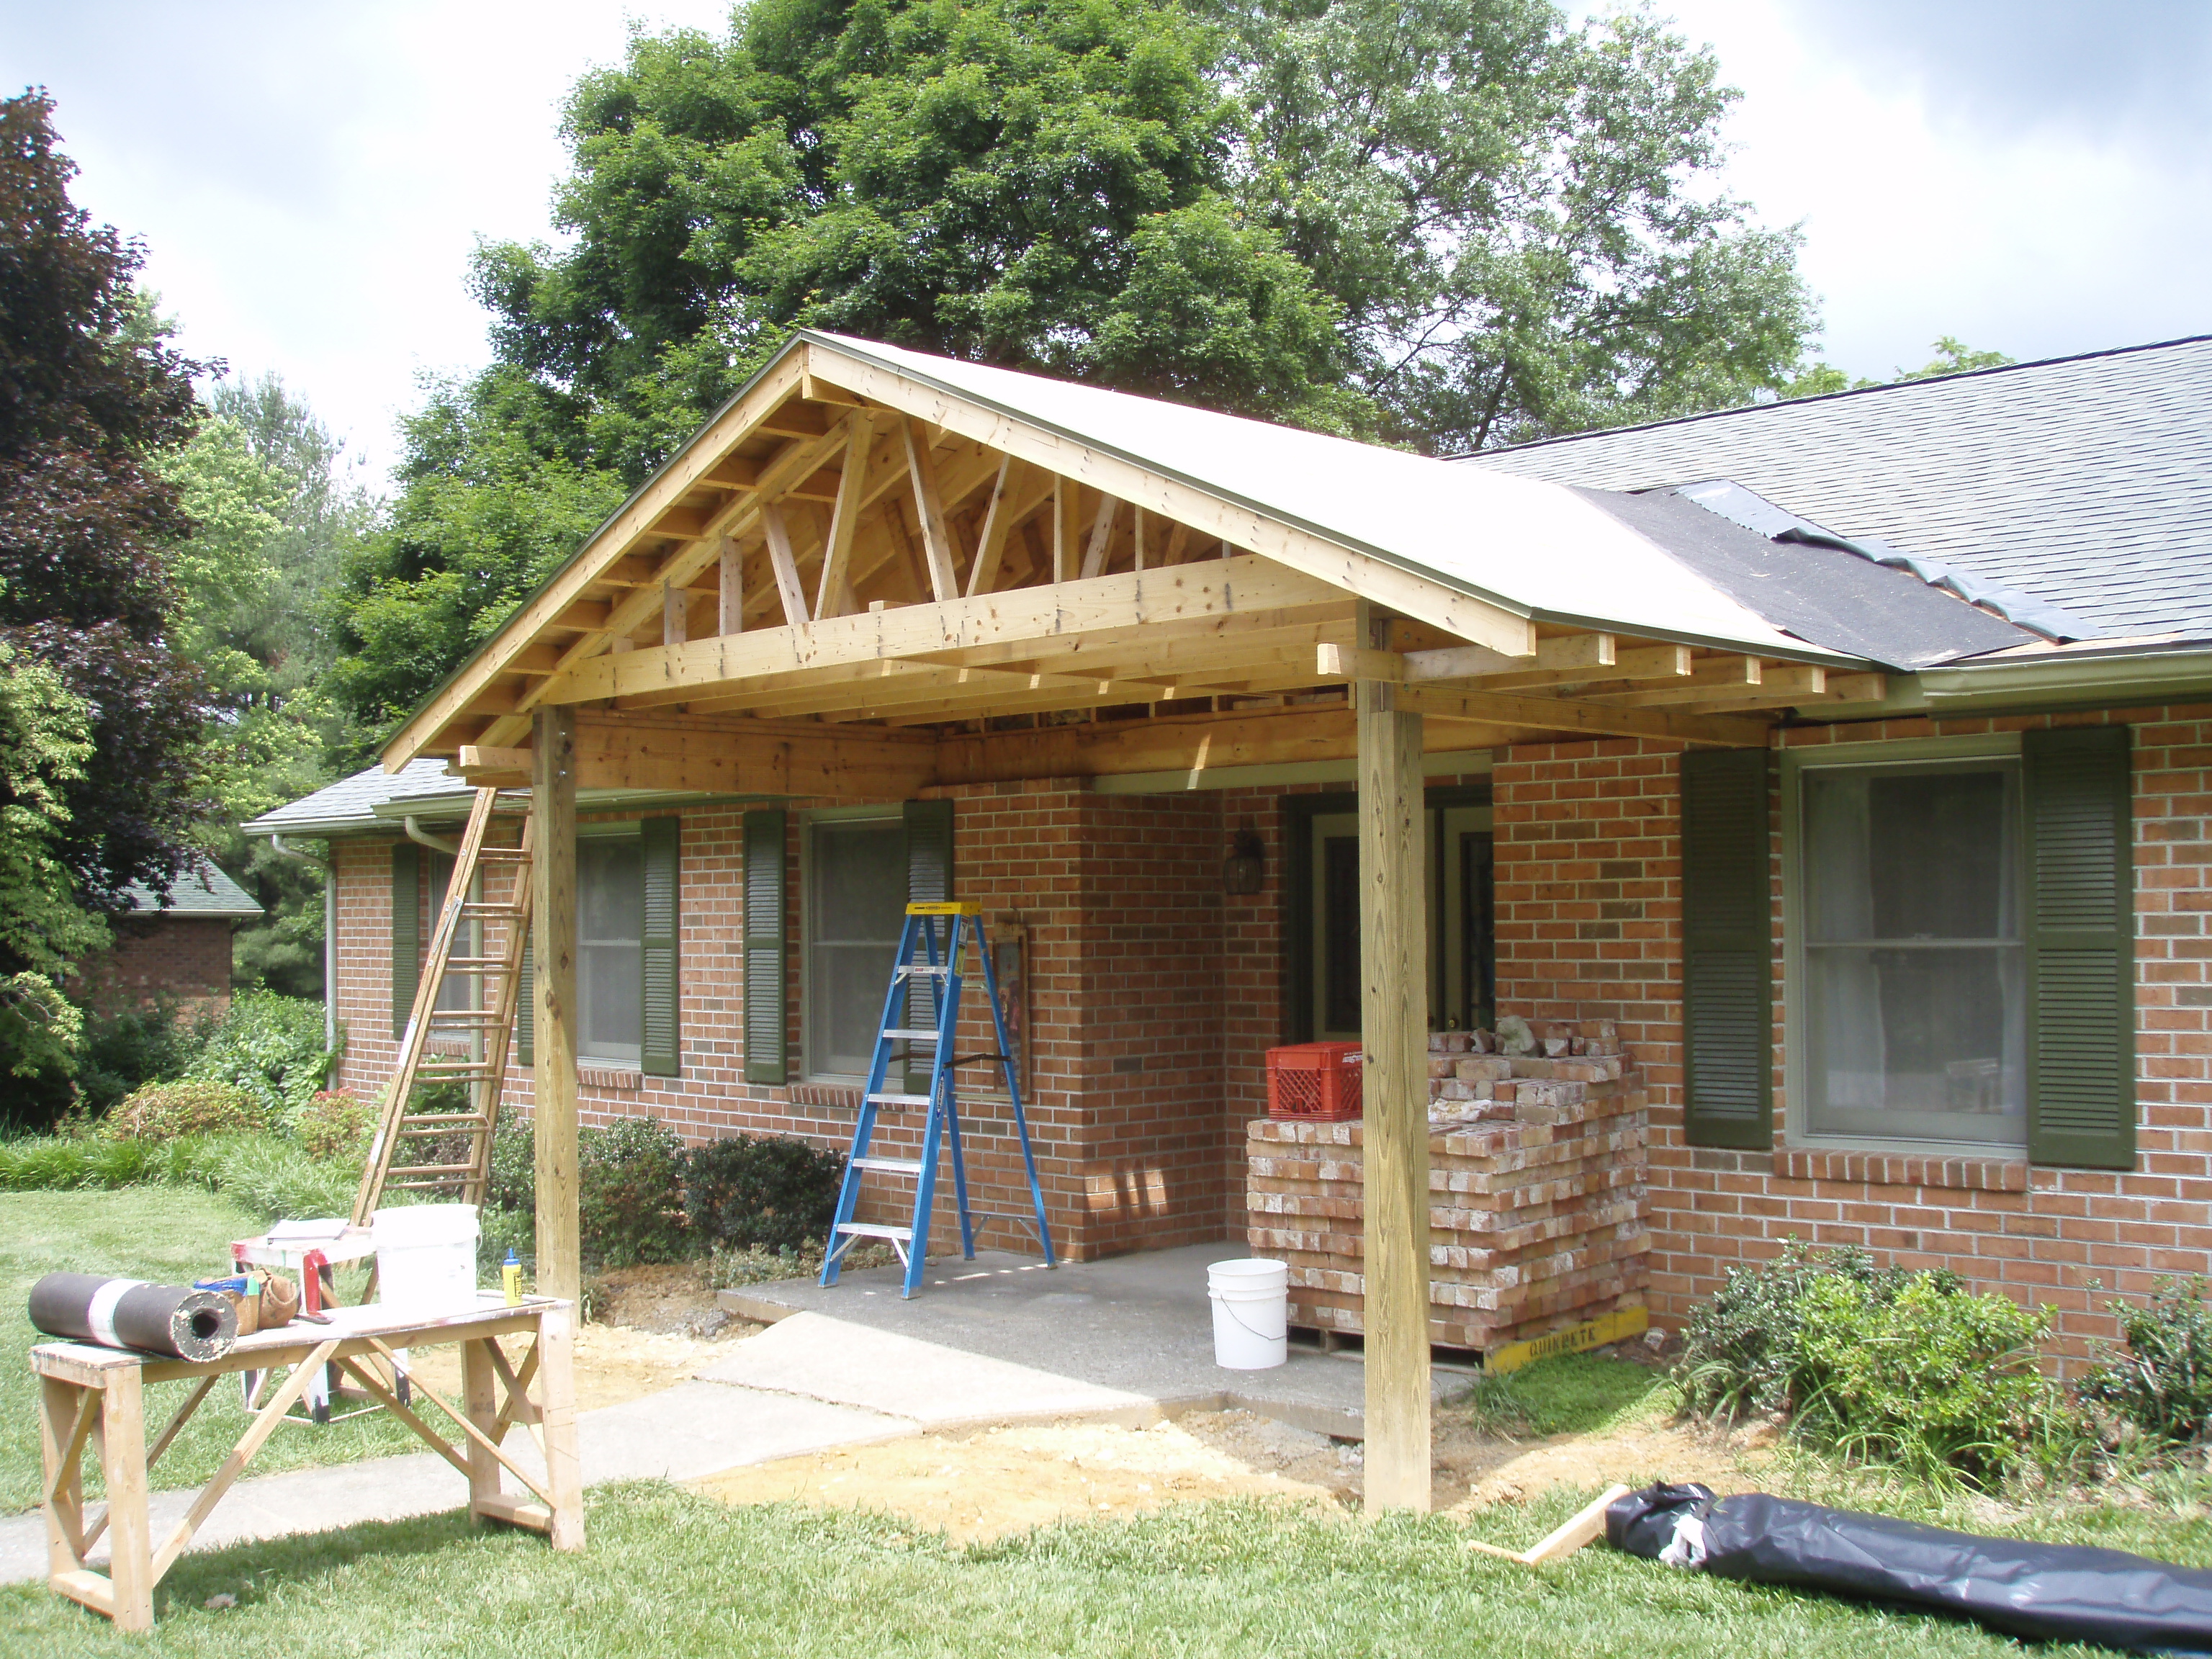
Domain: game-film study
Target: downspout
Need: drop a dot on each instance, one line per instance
(415, 832)
(330, 936)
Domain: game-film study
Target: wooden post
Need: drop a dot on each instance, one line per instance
(553, 913)
(1393, 957)
(556, 1416)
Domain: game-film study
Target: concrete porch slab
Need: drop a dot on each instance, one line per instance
(846, 1363)
(1136, 1326)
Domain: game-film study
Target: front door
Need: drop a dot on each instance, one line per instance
(1461, 989)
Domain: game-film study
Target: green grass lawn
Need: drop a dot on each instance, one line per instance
(667, 1574)
(170, 1235)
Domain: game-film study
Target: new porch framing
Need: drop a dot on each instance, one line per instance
(854, 585)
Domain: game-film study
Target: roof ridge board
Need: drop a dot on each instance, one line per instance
(1828, 397)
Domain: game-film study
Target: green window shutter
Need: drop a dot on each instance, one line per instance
(1728, 959)
(406, 932)
(660, 1055)
(525, 1003)
(2081, 947)
(928, 880)
(765, 1035)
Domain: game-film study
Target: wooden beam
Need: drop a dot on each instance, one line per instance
(1652, 662)
(1565, 654)
(1716, 677)
(563, 590)
(727, 757)
(833, 596)
(1394, 956)
(675, 616)
(1137, 539)
(1101, 536)
(731, 614)
(929, 514)
(1065, 508)
(784, 565)
(553, 941)
(1588, 719)
(1218, 589)
(991, 545)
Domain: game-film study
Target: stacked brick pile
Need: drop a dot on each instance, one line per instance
(1536, 1182)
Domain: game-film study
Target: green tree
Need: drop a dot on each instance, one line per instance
(274, 517)
(90, 391)
(1517, 216)
(1450, 222)
(1952, 356)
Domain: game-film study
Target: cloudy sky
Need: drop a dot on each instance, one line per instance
(2030, 175)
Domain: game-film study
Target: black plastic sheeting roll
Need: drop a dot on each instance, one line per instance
(130, 1313)
(2050, 1592)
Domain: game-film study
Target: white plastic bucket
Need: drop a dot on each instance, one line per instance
(1251, 1313)
(426, 1258)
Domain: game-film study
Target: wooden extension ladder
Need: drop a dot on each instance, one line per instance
(492, 933)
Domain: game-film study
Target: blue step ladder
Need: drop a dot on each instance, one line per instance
(931, 946)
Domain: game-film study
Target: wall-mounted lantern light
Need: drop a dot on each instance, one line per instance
(1244, 872)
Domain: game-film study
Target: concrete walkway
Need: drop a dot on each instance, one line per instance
(1139, 1327)
(998, 1339)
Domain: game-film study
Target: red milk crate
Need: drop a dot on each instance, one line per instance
(1315, 1081)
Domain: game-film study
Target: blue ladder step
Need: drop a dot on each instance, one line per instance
(898, 1100)
(890, 1165)
(875, 1229)
(911, 969)
(926, 1033)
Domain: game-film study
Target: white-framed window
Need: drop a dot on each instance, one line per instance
(610, 944)
(1905, 967)
(853, 904)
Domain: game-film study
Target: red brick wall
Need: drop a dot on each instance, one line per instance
(182, 958)
(1588, 872)
(1122, 899)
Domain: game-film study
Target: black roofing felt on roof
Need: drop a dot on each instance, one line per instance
(2086, 482)
(1823, 595)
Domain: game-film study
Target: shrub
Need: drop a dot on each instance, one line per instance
(269, 1046)
(1932, 1377)
(1741, 1350)
(2160, 1381)
(128, 1048)
(514, 1184)
(336, 1123)
(771, 1192)
(629, 1177)
(189, 1106)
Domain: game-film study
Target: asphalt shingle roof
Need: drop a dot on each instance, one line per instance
(203, 891)
(2084, 481)
(351, 802)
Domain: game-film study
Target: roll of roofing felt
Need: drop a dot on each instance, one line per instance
(130, 1313)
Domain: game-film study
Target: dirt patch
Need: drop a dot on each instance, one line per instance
(1004, 1480)
(986, 1484)
(659, 1325)
(1475, 1471)
(667, 1299)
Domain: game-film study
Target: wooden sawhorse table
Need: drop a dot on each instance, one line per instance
(90, 1395)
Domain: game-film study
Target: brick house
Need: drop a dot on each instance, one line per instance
(176, 953)
(1878, 844)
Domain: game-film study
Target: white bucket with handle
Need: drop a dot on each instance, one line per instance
(1251, 1313)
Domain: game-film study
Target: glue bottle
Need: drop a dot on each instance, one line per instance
(510, 1278)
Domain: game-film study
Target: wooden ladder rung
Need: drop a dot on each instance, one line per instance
(417, 1171)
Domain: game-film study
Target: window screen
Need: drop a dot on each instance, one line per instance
(609, 936)
(1915, 971)
(855, 904)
